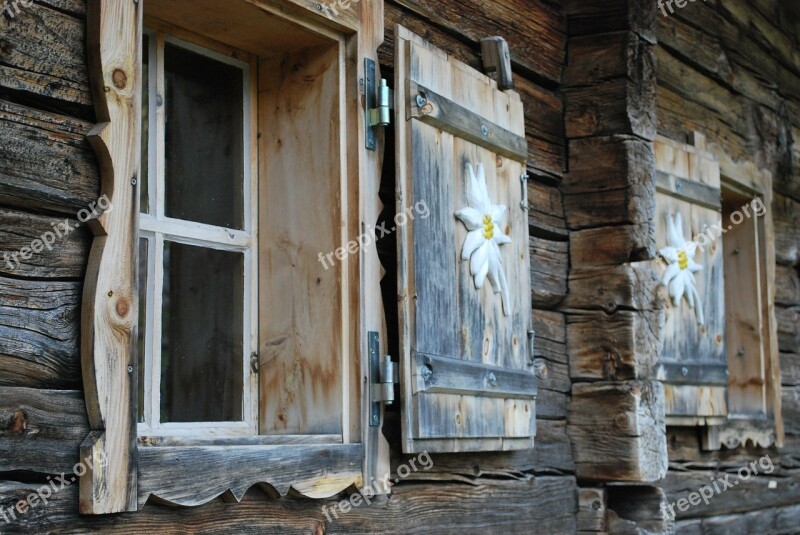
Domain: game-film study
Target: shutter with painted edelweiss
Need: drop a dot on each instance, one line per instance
(463, 274)
(693, 362)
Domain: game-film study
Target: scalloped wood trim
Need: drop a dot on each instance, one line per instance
(108, 316)
(194, 475)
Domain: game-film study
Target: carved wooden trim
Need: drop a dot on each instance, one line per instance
(194, 475)
(108, 318)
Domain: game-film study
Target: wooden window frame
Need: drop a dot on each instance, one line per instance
(178, 472)
(156, 228)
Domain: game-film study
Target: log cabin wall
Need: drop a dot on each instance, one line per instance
(731, 70)
(48, 173)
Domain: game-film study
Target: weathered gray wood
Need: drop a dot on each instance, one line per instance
(41, 430)
(497, 61)
(756, 492)
(612, 347)
(549, 268)
(442, 313)
(586, 17)
(628, 287)
(611, 182)
(45, 161)
(449, 116)
(63, 258)
(591, 510)
(39, 333)
(637, 509)
(618, 106)
(787, 286)
(180, 475)
(791, 409)
(788, 331)
(688, 190)
(779, 520)
(786, 218)
(790, 369)
(43, 54)
(443, 375)
(506, 507)
(617, 431)
(612, 245)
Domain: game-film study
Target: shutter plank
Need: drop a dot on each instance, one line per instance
(460, 331)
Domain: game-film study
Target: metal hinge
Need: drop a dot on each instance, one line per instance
(383, 376)
(378, 106)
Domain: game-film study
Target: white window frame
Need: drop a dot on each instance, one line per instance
(156, 227)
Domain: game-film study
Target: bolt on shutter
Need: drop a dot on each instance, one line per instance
(693, 361)
(467, 379)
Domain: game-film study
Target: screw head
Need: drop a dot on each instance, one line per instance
(426, 372)
(130, 369)
(492, 379)
(421, 101)
(133, 182)
(484, 130)
(684, 371)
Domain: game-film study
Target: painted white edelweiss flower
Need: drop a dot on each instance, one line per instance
(484, 221)
(679, 276)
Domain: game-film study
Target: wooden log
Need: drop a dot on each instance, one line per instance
(633, 286)
(64, 256)
(788, 329)
(611, 182)
(617, 431)
(787, 286)
(550, 325)
(616, 347)
(505, 505)
(636, 509)
(41, 430)
(611, 246)
(45, 161)
(546, 211)
(756, 492)
(43, 54)
(39, 333)
(593, 59)
(549, 268)
(784, 519)
(790, 369)
(474, 20)
(587, 17)
(685, 453)
(790, 402)
(551, 405)
(786, 219)
(591, 510)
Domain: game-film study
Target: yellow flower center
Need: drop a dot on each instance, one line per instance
(683, 262)
(488, 227)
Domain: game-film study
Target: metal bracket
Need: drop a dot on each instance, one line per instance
(378, 105)
(523, 178)
(531, 340)
(382, 378)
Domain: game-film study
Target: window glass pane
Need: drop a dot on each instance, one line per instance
(141, 339)
(143, 197)
(201, 347)
(204, 139)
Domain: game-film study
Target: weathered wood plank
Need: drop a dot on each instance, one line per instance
(591, 510)
(790, 401)
(787, 286)
(45, 161)
(611, 181)
(786, 218)
(549, 268)
(43, 53)
(788, 330)
(790, 369)
(612, 347)
(587, 17)
(631, 286)
(611, 246)
(39, 333)
(41, 430)
(617, 431)
(64, 245)
(636, 509)
(751, 494)
(505, 505)
(776, 520)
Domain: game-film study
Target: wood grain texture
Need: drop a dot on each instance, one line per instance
(180, 475)
(452, 319)
(108, 321)
(617, 431)
(587, 17)
(41, 430)
(505, 505)
(43, 54)
(45, 161)
(39, 342)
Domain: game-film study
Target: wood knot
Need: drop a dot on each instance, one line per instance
(122, 307)
(119, 78)
(19, 422)
(622, 421)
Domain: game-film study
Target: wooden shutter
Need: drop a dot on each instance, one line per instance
(693, 361)
(467, 378)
